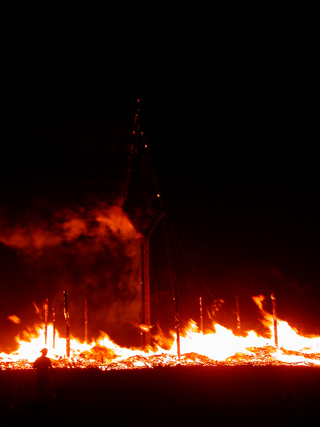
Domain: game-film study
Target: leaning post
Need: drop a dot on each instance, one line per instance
(275, 320)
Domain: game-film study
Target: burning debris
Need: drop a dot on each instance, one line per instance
(217, 347)
(94, 251)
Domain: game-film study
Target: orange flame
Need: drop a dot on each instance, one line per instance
(14, 319)
(219, 345)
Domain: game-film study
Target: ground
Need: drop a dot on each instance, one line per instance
(243, 395)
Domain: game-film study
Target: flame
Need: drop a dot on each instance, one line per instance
(259, 301)
(217, 346)
(14, 319)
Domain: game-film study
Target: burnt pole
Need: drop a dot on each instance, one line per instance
(53, 327)
(46, 307)
(66, 317)
(238, 314)
(145, 283)
(145, 286)
(201, 315)
(275, 320)
(177, 323)
(85, 321)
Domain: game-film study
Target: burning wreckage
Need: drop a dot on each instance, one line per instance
(192, 347)
(129, 225)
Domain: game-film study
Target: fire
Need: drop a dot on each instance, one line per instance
(217, 346)
(14, 319)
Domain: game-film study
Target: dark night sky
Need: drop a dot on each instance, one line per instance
(244, 193)
(235, 154)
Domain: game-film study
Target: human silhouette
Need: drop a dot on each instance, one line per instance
(43, 368)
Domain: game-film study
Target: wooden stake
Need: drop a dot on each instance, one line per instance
(54, 326)
(66, 316)
(46, 307)
(201, 315)
(275, 320)
(177, 325)
(146, 336)
(238, 314)
(85, 321)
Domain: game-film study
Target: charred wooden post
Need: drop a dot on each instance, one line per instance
(46, 308)
(85, 321)
(275, 320)
(145, 320)
(66, 316)
(53, 326)
(201, 315)
(238, 314)
(177, 325)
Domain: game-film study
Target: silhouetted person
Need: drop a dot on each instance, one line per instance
(43, 368)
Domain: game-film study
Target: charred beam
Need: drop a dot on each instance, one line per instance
(238, 314)
(145, 318)
(177, 324)
(46, 308)
(53, 326)
(85, 320)
(275, 320)
(201, 315)
(66, 317)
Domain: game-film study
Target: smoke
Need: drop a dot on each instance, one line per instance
(66, 200)
(92, 253)
(102, 223)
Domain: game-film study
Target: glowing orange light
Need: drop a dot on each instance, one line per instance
(14, 319)
(219, 345)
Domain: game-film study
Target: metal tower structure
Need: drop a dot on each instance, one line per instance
(144, 208)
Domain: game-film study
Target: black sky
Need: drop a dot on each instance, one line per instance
(235, 154)
(244, 188)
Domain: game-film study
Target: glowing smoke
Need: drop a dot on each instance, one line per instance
(92, 253)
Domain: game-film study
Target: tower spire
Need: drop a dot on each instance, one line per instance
(144, 208)
(136, 125)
